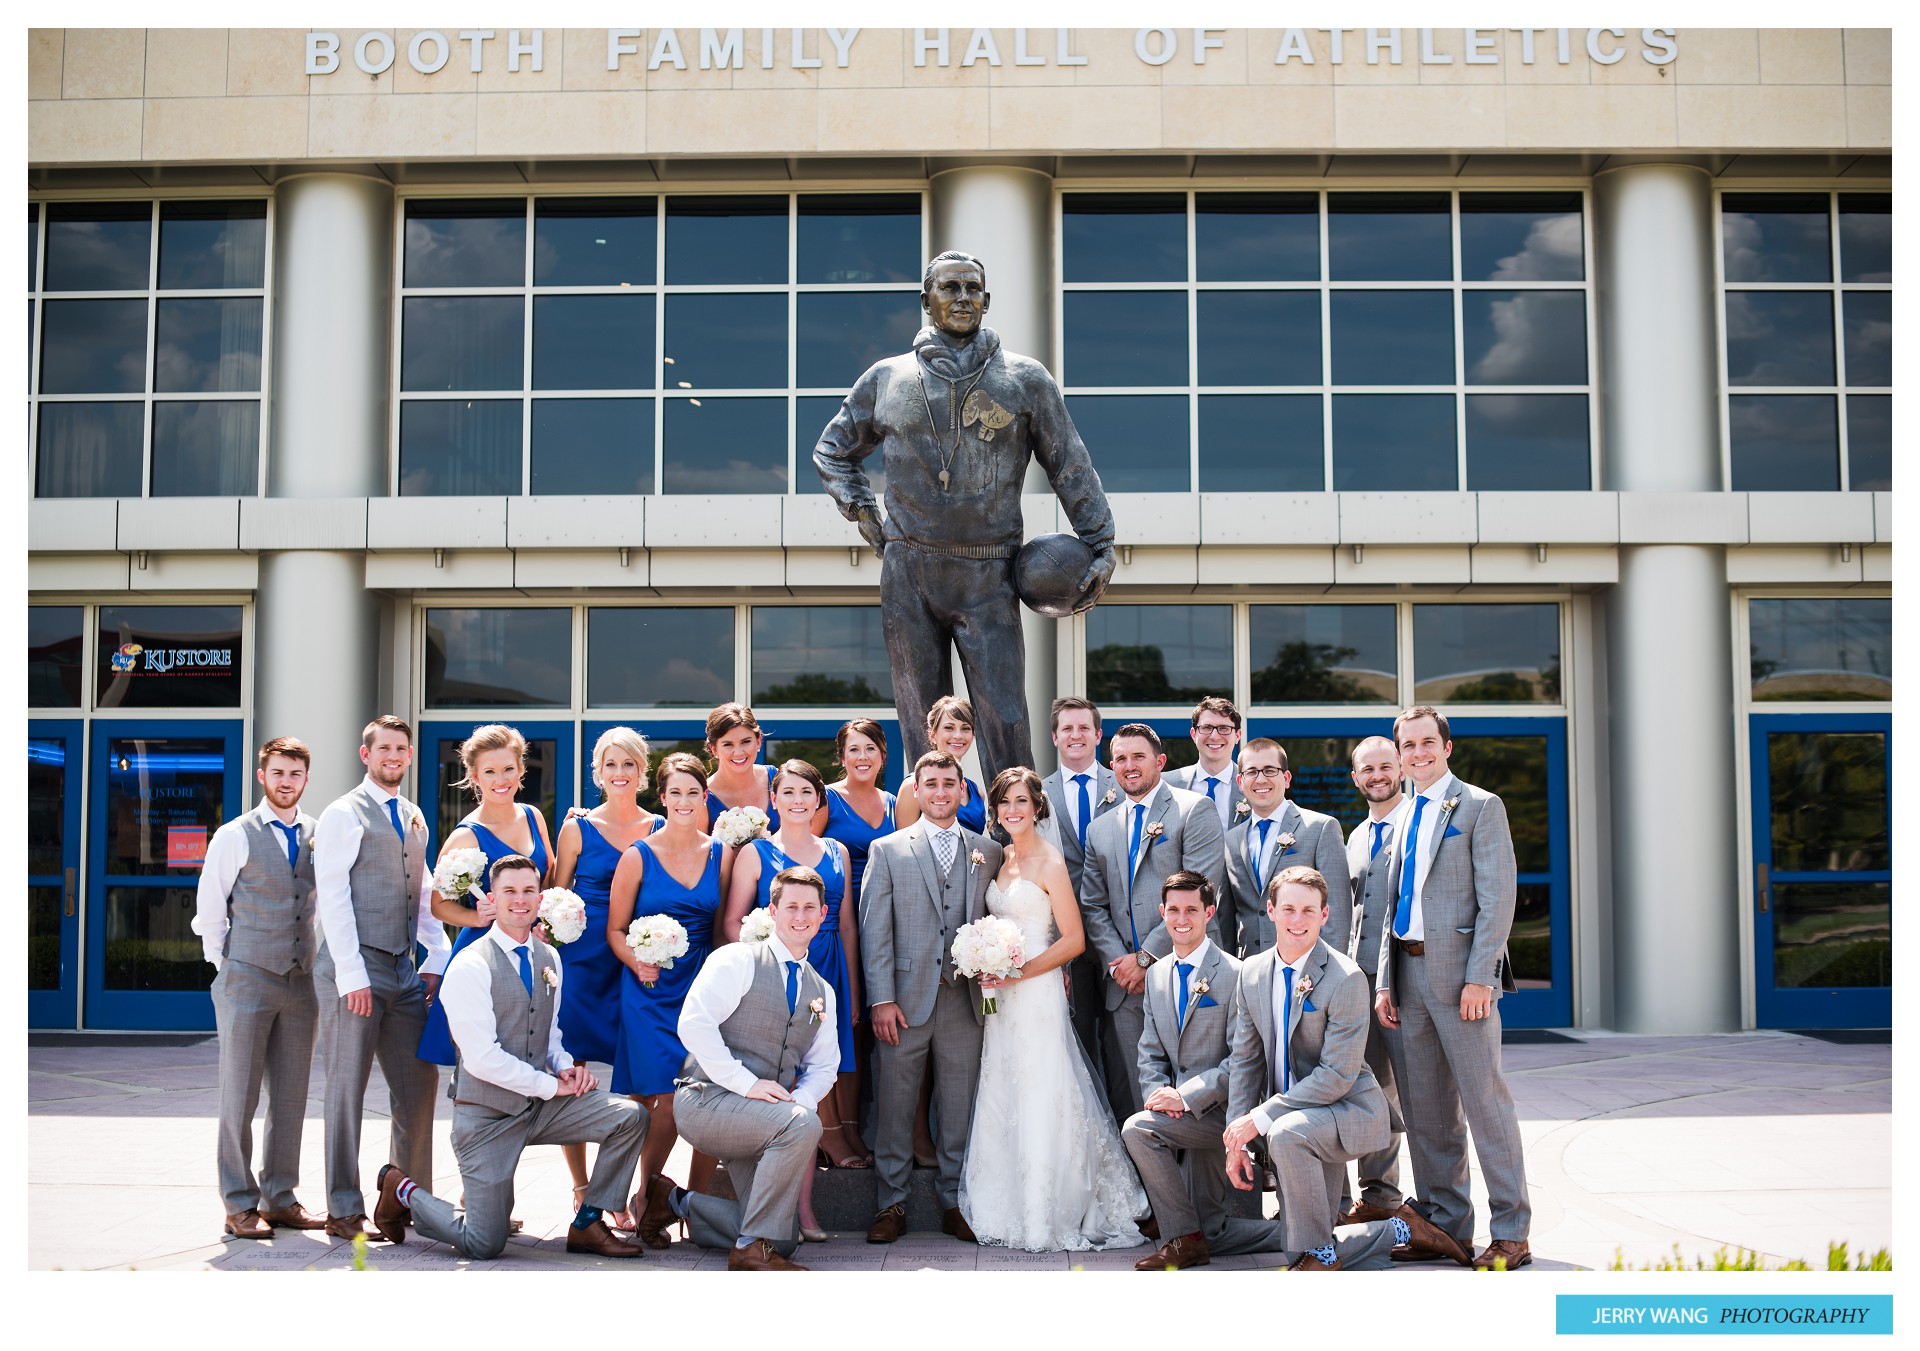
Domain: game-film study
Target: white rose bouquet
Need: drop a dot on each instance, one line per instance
(991, 946)
(657, 940)
(458, 871)
(562, 914)
(757, 927)
(737, 825)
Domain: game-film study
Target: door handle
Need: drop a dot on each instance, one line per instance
(1762, 887)
(70, 889)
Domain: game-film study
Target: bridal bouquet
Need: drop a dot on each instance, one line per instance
(737, 825)
(757, 927)
(989, 947)
(457, 872)
(562, 914)
(657, 940)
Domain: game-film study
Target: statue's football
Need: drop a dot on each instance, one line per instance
(1047, 573)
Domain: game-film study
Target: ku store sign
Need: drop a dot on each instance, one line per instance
(138, 659)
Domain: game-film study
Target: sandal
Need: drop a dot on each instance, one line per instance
(580, 1196)
(851, 1160)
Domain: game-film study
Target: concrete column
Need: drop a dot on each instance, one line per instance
(316, 625)
(1677, 946)
(1003, 215)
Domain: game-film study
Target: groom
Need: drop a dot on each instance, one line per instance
(922, 884)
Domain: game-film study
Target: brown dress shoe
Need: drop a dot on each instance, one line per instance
(247, 1224)
(349, 1226)
(654, 1207)
(887, 1226)
(1426, 1241)
(1364, 1212)
(1306, 1261)
(1508, 1252)
(759, 1255)
(953, 1222)
(389, 1216)
(599, 1240)
(1176, 1254)
(294, 1217)
(1149, 1226)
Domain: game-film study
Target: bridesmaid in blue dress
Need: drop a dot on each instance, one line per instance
(739, 780)
(950, 729)
(585, 857)
(494, 759)
(857, 810)
(679, 871)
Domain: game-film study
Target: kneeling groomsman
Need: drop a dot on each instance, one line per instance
(762, 1050)
(254, 915)
(1299, 1086)
(514, 1085)
(1176, 1141)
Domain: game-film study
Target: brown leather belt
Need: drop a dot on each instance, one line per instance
(1418, 949)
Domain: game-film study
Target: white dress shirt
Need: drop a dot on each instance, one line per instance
(1255, 860)
(467, 995)
(227, 854)
(336, 844)
(1068, 808)
(1424, 847)
(723, 982)
(1282, 1029)
(1222, 793)
(1195, 959)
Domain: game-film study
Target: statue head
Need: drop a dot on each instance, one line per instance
(953, 292)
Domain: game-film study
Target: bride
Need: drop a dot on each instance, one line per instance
(1045, 1169)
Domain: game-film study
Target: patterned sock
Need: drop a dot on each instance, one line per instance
(1324, 1252)
(586, 1216)
(405, 1195)
(1401, 1234)
(677, 1201)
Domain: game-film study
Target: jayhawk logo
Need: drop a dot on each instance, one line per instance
(126, 658)
(990, 415)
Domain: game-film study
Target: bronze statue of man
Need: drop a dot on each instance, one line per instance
(956, 421)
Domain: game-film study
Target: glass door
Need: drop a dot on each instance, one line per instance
(53, 873)
(1822, 870)
(158, 792)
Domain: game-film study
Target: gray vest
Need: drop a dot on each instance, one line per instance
(762, 1035)
(522, 1022)
(1377, 902)
(385, 879)
(270, 909)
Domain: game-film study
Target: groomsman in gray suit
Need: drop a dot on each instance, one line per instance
(1273, 833)
(1443, 966)
(514, 1085)
(1216, 725)
(254, 915)
(1376, 773)
(762, 1050)
(1079, 791)
(922, 884)
(373, 886)
(1175, 1140)
(1156, 830)
(1299, 1090)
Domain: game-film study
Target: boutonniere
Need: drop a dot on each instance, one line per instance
(553, 981)
(1155, 831)
(818, 1008)
(1200, 990)
(1303, 987)
(978, 859)
(1449, 805)
(1107, 801)
(1286, 843)
(416, 821)
(1242, 808)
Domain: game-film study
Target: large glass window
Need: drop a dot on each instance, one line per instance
(1486, 654)
(659, 658)
(643, 344)
(1808, 317)
(56, 635)
(146, 338)
(1324, 654)
(499, 658)
(1821, 648)
(1213, 340)
(168, 656)
(819, 655)
(1159, 654)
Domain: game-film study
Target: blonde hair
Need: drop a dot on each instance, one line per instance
(495, 736)
(618, 738)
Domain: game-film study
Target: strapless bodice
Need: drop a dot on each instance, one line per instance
(1026, 904)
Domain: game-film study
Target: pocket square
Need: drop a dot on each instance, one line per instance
(1451, 832)
(1306, 1005)
(1207, 1001)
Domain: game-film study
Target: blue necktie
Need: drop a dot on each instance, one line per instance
(526, 967)
(1379, 838)
(1133, 863)
(393, 815)
(793, 986)
(1286, 1031)
(1260, 852)
(292, 833)
(1185, 969)
(1086, 809)
(1212, 783)
(1409, 864)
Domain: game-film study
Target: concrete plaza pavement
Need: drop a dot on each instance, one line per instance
(1776, 1142)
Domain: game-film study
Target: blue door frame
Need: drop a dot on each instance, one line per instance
(58, 743)
(1807, 1005)
(132, 1008)
(434, 735)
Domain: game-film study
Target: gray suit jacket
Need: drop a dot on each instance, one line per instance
(1117, 906)
(1327, 1051)
(905, 943)
(1466, 908)
(1316, 844)
(1373, 895)
(1194, 780)
(1058, 826)
(1192, 1059)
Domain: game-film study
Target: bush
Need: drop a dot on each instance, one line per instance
(1743, 1260)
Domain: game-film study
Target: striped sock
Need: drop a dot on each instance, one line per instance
(405, 1194)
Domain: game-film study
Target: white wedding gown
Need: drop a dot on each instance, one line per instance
(1045, 1168)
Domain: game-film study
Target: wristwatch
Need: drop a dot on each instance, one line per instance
(1144, 958)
